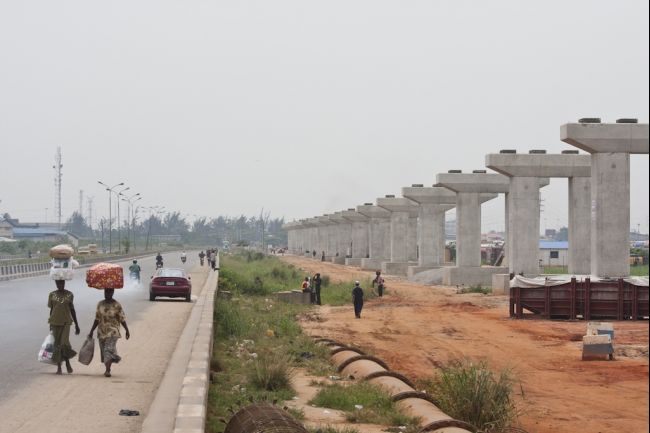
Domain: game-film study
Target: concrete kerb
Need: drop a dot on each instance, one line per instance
(180, 404)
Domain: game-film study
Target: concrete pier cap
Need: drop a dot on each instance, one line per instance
(371, 210)
(430, 195)
(476, 182)
(352, 215)
(539, 164)
(398, 204)
(590, 135)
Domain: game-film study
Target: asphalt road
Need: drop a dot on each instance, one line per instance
(24, 314)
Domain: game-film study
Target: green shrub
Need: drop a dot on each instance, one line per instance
(271, 372)
(471, 392)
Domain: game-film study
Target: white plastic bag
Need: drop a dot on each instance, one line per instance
(62, 269)
(47, 350)
(87, 351)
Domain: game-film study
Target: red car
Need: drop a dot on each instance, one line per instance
(172, 283)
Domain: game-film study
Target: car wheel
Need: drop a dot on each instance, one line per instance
(188, 297)
(152, 297)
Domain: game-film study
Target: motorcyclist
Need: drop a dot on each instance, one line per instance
(135, 269)
(159, 261)
(183, 257)
(201, 257)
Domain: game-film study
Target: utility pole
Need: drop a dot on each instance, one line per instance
(58, 175)
(81, 203)
(89, 202)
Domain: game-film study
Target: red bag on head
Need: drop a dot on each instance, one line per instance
(105, 276)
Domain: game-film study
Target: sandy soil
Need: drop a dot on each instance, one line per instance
(416, 328)
(86, 400)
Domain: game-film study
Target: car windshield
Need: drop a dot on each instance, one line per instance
(177, 273)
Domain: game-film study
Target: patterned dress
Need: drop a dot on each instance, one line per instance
(60, 303)
(109, 316)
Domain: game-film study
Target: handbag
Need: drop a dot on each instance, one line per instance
(87, 351)
(47, 350)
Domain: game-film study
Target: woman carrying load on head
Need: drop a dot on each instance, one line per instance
(108, 318)
(62, 316)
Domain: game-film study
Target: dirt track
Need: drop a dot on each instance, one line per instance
(416, 328)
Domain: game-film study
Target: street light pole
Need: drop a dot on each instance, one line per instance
(110, 210)
(119, 233)
(128, 218)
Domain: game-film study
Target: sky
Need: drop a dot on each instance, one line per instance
(303, 107)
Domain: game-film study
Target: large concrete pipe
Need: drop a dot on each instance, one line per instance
(263, 418)
(352, 362)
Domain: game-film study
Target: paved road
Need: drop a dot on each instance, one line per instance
(24, 313)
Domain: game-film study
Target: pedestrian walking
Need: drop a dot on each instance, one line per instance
(108, 318)
(62, 316)
(322, 257)
(379, 281)
(213, 261)
(317, 281)
(357, 299)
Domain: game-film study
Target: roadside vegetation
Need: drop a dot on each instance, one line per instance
(471, 392)
(258, 342)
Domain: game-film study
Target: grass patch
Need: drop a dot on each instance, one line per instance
(341, 293)
(639, 270)
(363, 403)
(472, 393)
(476, 289)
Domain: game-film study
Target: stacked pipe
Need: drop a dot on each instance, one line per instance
(352, 362)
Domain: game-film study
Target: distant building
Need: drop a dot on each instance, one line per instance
(553, 253)
(11, 228)
(550, 233)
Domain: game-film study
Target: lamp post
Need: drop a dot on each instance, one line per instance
(128, 218)
(119, 233)
(110, 216)
(134, 220)
(152, 209)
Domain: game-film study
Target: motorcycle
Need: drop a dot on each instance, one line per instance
(183, 259)
(159, 264)
(135, 276)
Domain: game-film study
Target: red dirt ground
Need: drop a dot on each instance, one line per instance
(416, 328)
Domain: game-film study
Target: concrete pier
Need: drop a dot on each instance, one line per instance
(343, 235)
(401, 211)
(327, 237)
(360, 235)
(379, 236)
(525, 172)
(468, 188)
(433, 203)
(610, 145)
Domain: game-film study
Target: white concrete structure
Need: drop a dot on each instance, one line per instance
(403, 240)
(524, 172)
(433, 202)
(360, 236)
(610, 145)
(343, 236)
(379, 236)
(468, 188)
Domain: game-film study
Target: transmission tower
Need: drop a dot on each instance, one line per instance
(58, 175)
(89, 202)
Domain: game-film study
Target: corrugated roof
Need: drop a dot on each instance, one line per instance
(553, 245)
(22, 231)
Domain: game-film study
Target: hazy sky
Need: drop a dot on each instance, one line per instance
(302, 107)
